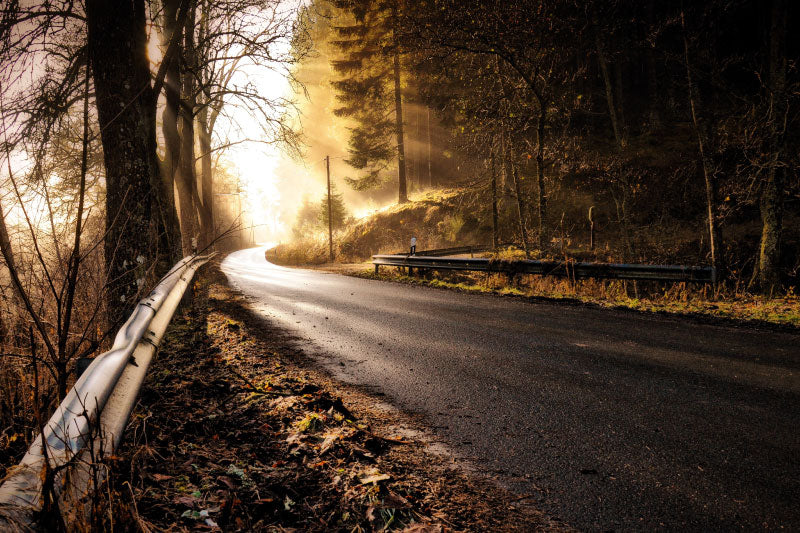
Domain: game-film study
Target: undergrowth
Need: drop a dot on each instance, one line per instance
(675, 298)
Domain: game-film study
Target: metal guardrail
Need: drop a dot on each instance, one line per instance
(91, 419)
(455, 250)
(574, 270)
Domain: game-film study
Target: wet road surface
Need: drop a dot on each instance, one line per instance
(610, 420)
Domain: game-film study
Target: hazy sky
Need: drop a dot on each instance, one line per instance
(276, 183)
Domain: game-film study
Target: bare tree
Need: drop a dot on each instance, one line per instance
(231, 38)
(772, 193)
(56, 268)
(714, 233)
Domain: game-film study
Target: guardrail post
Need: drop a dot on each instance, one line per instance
(377, 269)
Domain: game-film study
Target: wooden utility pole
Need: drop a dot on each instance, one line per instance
(239, 216)
(330, 217)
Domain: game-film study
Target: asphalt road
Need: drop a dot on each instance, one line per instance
(610, 420)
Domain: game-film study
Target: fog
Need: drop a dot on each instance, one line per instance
(278, 181)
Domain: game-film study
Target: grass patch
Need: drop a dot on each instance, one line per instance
(678, 298)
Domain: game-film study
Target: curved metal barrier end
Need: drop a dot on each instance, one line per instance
(90, 420)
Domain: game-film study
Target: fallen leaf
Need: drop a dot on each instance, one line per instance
(328, 443)
(374, 478)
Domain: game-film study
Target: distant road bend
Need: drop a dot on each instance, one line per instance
(608, 419)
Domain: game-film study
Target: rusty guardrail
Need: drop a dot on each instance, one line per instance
(90, 421)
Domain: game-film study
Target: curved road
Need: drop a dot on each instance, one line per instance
(610, 420)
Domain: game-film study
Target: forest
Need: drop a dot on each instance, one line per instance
(669, 128)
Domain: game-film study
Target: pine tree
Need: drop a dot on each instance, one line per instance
(369, 91)
(312, 217)
(339, 212)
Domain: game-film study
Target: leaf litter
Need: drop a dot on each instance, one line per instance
(233, 432)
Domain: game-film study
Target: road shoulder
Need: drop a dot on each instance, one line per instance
(237, 430)
(777, 315)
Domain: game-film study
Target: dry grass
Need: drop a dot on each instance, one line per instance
(676, 298)
(311, 251)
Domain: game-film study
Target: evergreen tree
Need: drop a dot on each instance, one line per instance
(369, 90)
(312, 217)
(338, 210)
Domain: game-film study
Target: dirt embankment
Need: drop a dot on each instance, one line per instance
(235, 431)
(436, 219)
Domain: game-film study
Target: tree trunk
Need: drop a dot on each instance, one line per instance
(172, 82)
(412, 161)
(541, 201)
(205, 200)
(623, 127)
(418, 149)
(601, 57)
(520, 204)
(506, 180)
(620, 201)
(8, 256)
(715, 238)
(771, 203)
(653, 116)
(495, 217)
(165, 216)
(117, 46)
(430, 174)
(402, 195)
(169, 124)
(187, 180)
(206, 180)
